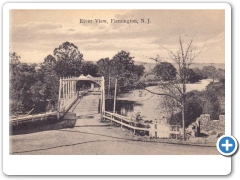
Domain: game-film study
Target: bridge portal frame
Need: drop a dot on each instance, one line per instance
(68, 92)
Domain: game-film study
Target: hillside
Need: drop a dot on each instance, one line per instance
(150, 65)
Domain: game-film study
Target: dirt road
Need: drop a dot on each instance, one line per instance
(91, 137)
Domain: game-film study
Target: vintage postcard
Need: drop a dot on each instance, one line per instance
(150, 79)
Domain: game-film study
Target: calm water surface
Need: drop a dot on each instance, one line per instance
(150, 105)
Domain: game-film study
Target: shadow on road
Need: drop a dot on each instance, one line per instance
(93, 126)
(42, 149)
(38, 126)
(148, 140)
(129, 139)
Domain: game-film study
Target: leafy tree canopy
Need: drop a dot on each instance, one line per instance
(165, 70)
(50, 60)
(88, 67)
(103, 67)
(122, 67)
(69, 60)
(14, 58)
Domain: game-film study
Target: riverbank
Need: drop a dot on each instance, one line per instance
(192, 141)
(151, 106)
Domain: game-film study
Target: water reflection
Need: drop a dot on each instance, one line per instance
(129, 104)
(123, 107)
(150, 106)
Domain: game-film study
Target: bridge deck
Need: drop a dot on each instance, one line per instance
(86, 107)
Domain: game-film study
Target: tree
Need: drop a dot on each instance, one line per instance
(46, 86)
(165, 70)
(69, 60)
(198, 73)
(122, 67)
(139, 70)
(22, 77)
(193, 109)
(50, 60)
(36, 85)
(23, 80)
(210, 101)
(209, 72)
(88, 67)
(14, 59)
(122, 64)
(183, 58)
(68, 51)
(220, 75)
(192, 77)
(214, 99)
(104, 67)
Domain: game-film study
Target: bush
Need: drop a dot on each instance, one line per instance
(192, 112)
(166, 71)
(211, 101)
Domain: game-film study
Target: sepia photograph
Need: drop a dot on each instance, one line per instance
(116, 82)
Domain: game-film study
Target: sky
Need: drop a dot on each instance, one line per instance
(34, 34)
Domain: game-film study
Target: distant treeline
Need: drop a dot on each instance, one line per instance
(209, 101)
(36, 85)
(193, 74)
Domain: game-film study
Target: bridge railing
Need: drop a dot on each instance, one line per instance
(123, 121)
(173, 132)
(66, 104)
(32, 117)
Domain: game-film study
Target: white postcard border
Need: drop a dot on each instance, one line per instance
(120, 164)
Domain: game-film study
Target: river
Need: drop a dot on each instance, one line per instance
(148, 104)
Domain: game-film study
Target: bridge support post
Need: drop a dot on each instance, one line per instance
(67, 91)
(92, 86)
(74, 89)
(64, 92)
(71, 89)
(72, 94)
(59, 98)
(102, 98)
